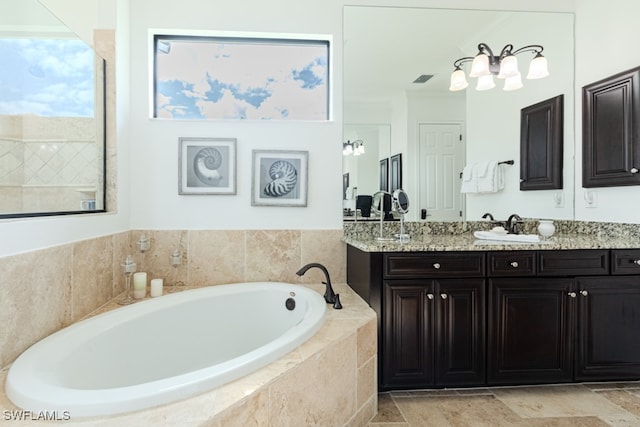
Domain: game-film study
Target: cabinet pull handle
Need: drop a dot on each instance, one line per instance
(429, 296)
(584, 293)
(572, 294)
(443, 296)
(634, 170)
(636, 261)
(514, 264)
(436, 265)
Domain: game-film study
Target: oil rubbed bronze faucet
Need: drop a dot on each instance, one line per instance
(512, 224)
(329, 295)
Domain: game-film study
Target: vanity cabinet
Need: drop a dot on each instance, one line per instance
(502, 317)
(433, 333)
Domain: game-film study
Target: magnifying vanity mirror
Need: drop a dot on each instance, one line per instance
(406, 108)
(52, 116)
(401, 206)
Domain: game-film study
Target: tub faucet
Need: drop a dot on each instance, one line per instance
(488, 215)
(329, 296)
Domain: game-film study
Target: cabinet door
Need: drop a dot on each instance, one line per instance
(460, 336)
(530, 330)
(608, 328)
(407, 356)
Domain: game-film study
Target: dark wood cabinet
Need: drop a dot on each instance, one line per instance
(433, 333)
(608, 328)
(611, 131)
(502, 317)
(530, 330)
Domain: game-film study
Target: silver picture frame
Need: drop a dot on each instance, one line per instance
(279, 178)
(207, 166)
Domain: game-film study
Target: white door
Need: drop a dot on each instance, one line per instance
(440, 163)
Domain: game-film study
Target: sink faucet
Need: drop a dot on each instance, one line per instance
(488, 215)
(329, 296)
(512, 224)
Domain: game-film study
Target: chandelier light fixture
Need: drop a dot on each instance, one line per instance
(485, 65)
(356, 148)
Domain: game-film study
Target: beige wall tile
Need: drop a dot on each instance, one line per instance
(367, 382)
(325, 247)
(216, 257)
(330, 384)
(367, 341)
(35, 293)
(92, 280)
(272, 255)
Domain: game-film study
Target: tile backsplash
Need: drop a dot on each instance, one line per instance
(46, 290)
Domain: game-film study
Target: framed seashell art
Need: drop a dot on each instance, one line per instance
(279, 178)
(207, 166)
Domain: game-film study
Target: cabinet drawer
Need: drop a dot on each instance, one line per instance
(436, 264)
(625, 261)
(573, 263)
(512, 263)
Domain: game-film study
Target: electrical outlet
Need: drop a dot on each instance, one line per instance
(558, 199)
(590, 199)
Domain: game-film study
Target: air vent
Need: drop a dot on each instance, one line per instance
(423, 78)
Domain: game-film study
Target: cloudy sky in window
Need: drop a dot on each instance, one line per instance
(241, 80)
(46, 77)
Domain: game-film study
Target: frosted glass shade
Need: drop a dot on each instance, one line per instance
(513, 83)
(480, 66)
(458, 80)
(508, 67)
(485, 82)
(538, 68)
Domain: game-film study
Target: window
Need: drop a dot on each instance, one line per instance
(199, 77)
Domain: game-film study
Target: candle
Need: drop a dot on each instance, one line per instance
(139, 284)
(156, 287)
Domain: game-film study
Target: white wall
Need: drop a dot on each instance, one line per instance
(151, 177)
(607, 35)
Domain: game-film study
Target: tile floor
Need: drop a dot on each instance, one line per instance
(584, 405)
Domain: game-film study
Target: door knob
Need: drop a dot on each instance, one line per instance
(429, 296)
(436, 265)
(443, 296)
(634, 170)
(572, 294)
(584, 293)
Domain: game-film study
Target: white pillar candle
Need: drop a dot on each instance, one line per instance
(156, 287)
(139, 284)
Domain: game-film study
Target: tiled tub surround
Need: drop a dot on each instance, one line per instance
(46, 290)
(458, 236)
(328, 380)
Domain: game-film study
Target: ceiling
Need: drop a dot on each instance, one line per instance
(387, 48)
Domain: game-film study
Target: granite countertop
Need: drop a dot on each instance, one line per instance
(467, 242)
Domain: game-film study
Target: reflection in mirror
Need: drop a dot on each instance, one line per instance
(362, 172)
(487, 122)
(52, 117)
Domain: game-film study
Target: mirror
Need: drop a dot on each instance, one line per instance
(383, 92)
(52, 116)
(401, 201)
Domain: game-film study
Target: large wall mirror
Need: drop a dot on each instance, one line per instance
(389, 106)
(52, 116)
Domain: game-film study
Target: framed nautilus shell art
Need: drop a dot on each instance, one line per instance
(207, 166)
(279, 178)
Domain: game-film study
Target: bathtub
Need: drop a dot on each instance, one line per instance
(163, 349)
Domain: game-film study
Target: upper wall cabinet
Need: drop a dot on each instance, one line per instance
(541, 145)
(610, 120)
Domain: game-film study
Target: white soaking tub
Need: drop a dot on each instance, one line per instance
(163, 349)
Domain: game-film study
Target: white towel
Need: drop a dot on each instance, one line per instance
(482, 177)
(490, 235)
(469, 183)
(488, 177)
